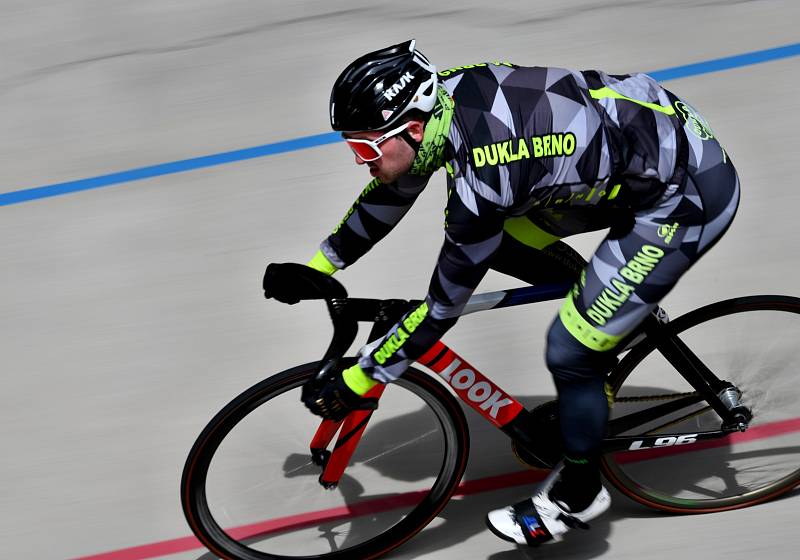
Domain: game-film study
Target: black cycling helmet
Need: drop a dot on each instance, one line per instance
(380, 87)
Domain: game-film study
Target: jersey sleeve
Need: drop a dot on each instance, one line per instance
(377, 210)
(473, 232)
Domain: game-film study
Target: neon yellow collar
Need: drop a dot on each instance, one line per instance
(430, 155)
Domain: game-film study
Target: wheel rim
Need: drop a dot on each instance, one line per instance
(261, 499)
(754, 349)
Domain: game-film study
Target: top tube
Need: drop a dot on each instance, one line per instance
(516, 296)
(346, 312)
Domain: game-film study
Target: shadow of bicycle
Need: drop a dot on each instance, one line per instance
(464, 515)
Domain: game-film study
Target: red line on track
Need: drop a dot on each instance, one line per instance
(184, 544)
(292, 522)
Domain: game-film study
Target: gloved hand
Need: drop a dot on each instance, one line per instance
(281, 282)
(292, 282)
(331, 398)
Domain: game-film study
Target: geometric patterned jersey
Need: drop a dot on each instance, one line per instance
(520, 139)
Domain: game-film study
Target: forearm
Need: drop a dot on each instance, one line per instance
(387, 358)
(377, 210)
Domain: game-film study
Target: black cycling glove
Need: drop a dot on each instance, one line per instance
(281, 282)
(331, 398)
(292, 282)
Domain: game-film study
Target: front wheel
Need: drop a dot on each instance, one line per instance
(752, 342)
(250, 489)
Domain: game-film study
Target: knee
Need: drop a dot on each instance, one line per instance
(570, 361)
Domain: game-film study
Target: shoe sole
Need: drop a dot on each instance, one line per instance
(506, 538)
(497, 533)
(554, 539)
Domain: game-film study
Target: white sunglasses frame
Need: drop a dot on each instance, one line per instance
(375, 144)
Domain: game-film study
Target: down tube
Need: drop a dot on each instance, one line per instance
(474, 388)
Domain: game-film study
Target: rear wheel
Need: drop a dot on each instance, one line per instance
(751, 342)
(249, 495)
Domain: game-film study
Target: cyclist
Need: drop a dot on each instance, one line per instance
(532, 155)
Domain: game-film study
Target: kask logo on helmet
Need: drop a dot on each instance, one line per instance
(398, 86)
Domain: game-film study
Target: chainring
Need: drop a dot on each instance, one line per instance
(547, 449)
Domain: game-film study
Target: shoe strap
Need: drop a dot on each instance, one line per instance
(529, 520)
(572, 522)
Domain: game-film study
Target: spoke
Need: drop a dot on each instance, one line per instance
(301, 467)
(399, 446)
(678, 420)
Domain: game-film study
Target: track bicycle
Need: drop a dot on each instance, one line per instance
(705, 417)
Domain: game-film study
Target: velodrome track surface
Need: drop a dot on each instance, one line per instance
(132, 311)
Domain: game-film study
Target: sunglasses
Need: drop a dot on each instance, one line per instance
(369, 150)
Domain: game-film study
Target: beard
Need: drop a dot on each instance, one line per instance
(389, 173)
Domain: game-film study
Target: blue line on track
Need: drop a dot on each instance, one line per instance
(167, 168)
(57, 189)
(726, 63)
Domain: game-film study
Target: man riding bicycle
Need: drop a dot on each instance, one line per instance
(532, 155)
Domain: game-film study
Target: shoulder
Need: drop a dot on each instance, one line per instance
(479, 67)
(464, 79)
(485, 74)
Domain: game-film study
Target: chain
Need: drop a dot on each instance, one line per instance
(649, 398)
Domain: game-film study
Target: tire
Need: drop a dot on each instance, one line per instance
(207, 475)
(741, 469)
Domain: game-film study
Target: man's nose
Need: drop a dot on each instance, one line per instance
(359, 161)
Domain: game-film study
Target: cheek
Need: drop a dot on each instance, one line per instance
(401, 153)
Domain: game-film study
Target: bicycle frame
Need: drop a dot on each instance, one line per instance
(492, 402)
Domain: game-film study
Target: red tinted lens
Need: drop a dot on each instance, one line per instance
(364, 151)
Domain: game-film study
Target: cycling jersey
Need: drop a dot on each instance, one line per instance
(534, 154)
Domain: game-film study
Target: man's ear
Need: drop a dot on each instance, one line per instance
(416, 128)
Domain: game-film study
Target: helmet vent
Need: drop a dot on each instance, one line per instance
(378, 88)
